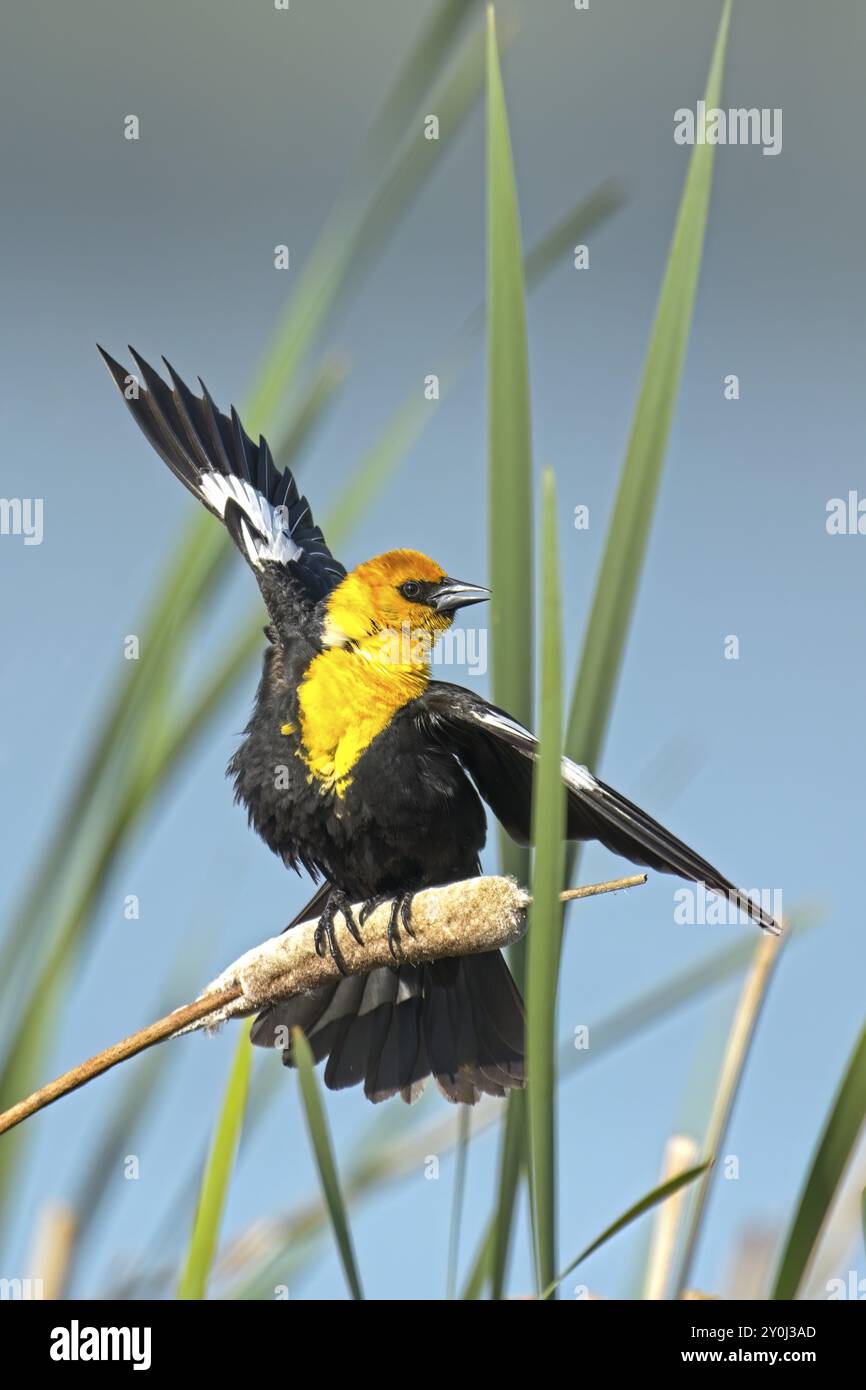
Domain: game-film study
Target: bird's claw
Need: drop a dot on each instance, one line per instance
(371, 904)
(400, 917)
(402, 910)
(325, 937)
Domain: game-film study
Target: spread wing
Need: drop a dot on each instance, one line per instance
(237, 480)
(499, 755)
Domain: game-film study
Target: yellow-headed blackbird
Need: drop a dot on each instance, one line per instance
(362, 769)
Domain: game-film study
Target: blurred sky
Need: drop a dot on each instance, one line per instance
(250, 120)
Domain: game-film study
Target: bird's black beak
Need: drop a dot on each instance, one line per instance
(451, 594)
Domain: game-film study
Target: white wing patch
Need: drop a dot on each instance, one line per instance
(575, 776)
(578, 777)
(270, 522)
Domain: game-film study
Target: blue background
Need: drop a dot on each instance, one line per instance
(249, 121)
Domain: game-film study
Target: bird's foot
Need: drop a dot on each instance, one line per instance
(400, 918)
(369, 907)
(402, 912)
(326, 936)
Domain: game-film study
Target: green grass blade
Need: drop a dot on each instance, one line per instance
(621, 566)
(327, 380)
(840, 1135)
(742, 1032)
(479, 1274)
(464, 1135)
(652, 1199)
(543, 257)
(509, 441)
(217, 1175)
(558, 244)
(324, 1155)
(453, 101)
(545, 913)
(555, 248)
(427, 57)
(509, 472)
(512, 1163)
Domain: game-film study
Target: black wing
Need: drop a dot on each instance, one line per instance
(499, 755)
(237, 480)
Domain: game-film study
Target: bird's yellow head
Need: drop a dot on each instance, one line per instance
(397, 597)
(379, 626)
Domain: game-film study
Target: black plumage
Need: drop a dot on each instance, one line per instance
(365, 772)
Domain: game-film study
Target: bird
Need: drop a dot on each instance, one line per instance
(362, 770)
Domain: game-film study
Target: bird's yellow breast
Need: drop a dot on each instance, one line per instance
(345, 699)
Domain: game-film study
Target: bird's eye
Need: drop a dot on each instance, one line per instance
(411, 589)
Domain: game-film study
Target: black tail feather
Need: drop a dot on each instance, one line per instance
(393, 1028)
